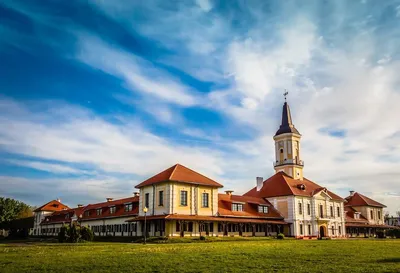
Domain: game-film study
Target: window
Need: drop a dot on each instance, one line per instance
(321, 211)
(308, 209)
(340, 230)
(333, 230)
(98, 211)
(301, 229)
(161, 198)
(128, 207)
(309, 229)
(66, 216)
(237, 207)
(112, 210)
(146, 200)
(87, 213)
(338, 211)
(332, 211)
(262, 209)
(379, 215)
(357, 215)
(184, 198)
(372, 214)
(300, 209)
(204, 200)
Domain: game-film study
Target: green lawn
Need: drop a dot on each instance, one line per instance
(367, 255)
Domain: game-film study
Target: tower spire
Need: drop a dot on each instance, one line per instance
(287, 145)
(286, 124)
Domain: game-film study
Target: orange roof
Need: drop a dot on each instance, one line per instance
(179, 173)
(357, 199)
(53, 205)
(63, 216)
(281, 184)
(105, 206)
(250, 207)
(350, 216)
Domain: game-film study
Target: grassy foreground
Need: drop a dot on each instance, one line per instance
(230, 256)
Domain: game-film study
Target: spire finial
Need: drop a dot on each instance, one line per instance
(285, 94)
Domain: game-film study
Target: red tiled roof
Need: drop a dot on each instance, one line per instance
(357, 199)
(105, 206)
(250, 207)
(53, 205)
(281, 184)
(350, 216)
(180, 173)
(63, 216)
(209, 218)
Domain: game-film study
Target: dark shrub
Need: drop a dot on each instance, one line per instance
(380, 234)
(75, 234)
(280, 236)
(62, 235)
(87, 234)
(202, 238)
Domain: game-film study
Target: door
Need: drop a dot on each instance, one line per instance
(321, 231)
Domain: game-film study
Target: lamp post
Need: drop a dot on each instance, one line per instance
(145, 227)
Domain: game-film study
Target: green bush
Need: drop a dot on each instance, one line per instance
(86, 234)
(380, 234)
(75, 234)
(393, 233)
(202, 238)
(280, 236)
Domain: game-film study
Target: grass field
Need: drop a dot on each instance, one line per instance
(367, 255)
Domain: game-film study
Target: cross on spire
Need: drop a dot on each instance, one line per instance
(285, 94)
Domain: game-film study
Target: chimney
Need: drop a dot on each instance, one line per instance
(109, 199)
(259, 183)
(228, 192)
(58, 200)
(136, 193)
(80, 205)
(351, 193)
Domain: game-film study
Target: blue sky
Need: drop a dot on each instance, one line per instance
(97, 96)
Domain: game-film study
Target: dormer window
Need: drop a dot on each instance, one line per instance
(112, 210)
(67, 216)
(237, 207)
(357, 215)
(262, 209)
(301, 186)
(87, 213)
(98, 211)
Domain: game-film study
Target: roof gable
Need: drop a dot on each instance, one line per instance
(250, 207)
(180, 173)
(53, 205)
(281, 184)
(357, 199)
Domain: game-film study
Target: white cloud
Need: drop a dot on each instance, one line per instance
(48, 167)
(138, 74)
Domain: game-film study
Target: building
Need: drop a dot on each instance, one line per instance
(46, 210)
(182, 202)
(364, 216)
(312, 210)
(393, 221)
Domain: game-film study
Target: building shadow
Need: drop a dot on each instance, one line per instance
(389, 260)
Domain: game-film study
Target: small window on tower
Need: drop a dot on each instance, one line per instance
(281, 151)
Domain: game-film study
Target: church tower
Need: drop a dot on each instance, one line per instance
(287, 147)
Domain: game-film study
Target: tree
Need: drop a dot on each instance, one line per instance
(11, 209)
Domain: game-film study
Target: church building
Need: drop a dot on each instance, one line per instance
(182, 202)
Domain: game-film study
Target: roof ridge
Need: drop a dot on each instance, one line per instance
(287, 184)
(173, 171)
(194, 172)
